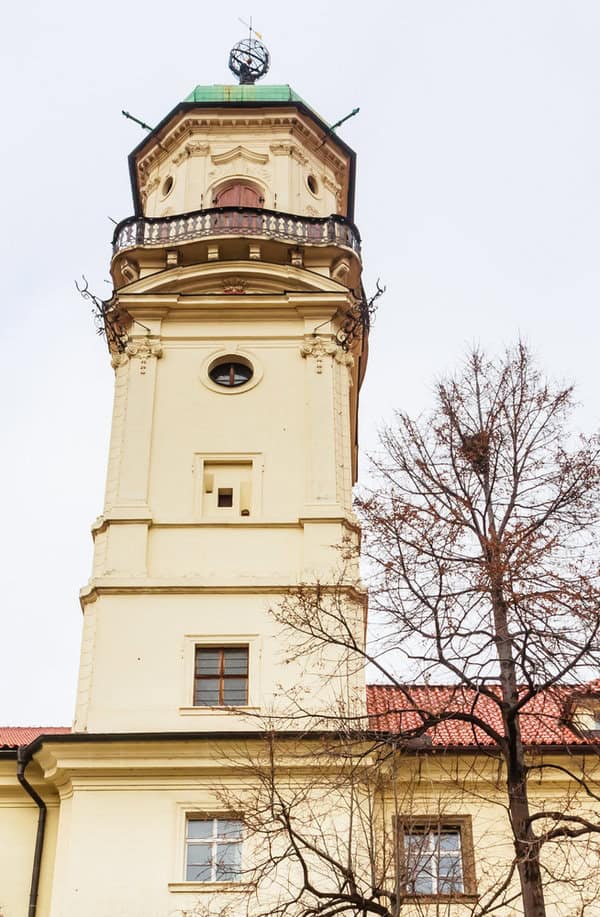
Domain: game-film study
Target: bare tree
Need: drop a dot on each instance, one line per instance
(481, 546)
(481, 541)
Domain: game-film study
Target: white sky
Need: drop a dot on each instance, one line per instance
(478, 201)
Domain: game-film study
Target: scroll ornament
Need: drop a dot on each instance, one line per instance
(143, 349)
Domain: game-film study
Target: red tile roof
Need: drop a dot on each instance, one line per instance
(403, 710)
(13, 736)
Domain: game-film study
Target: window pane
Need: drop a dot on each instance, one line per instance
(200, 827)
(199, 854)
(229, 861)
(236, 662)
(450, 875)
(207, 692)
(423, 884)
(449, 840)
(207, 662)
(416, 842)
(198, 873)
(229, 829)
(234, 691)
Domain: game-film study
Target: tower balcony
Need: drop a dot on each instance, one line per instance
(230, 228)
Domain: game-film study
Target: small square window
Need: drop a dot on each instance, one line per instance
(213, 849)
(225, 496)
(436, 858)
(221, 676)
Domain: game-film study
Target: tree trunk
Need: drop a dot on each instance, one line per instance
(526, 847)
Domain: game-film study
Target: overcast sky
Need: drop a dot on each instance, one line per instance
(478, 201)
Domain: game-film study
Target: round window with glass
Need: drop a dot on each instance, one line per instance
(230, 373)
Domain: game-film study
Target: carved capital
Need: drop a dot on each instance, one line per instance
(191, 149)
(343, 357)
(118, 359)
(319, 348)
(148, 187)
(143, 349)
(281, 149)
(289, 149)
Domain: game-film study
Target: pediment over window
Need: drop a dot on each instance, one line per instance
(239, 152)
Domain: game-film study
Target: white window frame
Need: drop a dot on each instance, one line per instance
(202, 806)
(212, 842)
(430, 848)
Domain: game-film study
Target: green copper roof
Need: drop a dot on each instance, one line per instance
(231, 94)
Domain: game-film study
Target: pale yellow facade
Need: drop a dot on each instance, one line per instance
(173, 570)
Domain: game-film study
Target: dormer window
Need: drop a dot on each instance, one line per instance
(238, 194)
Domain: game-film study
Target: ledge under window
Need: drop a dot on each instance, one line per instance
(196, 887)
(217, 711)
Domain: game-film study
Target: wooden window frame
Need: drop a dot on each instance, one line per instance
(222, 675)
(405, 824)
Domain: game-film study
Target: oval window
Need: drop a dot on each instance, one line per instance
(230, 373)
(313, 185)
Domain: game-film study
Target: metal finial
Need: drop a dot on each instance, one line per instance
(249, 59)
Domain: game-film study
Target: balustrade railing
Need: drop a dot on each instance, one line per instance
(135, 232)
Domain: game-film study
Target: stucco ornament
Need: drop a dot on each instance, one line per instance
(143, 349)
(191, 149)
(318, 347)
(234, 285)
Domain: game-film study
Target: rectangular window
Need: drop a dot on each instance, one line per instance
(213, 849)
(437, 857)
(225, 496)
(221, 676)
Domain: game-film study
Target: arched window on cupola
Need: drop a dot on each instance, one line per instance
(238, 194)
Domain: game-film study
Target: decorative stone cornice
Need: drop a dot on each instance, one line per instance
(292, 121)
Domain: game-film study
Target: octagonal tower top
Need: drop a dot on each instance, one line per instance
(246, 145)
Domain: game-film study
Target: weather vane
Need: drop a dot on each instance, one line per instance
(249, 59)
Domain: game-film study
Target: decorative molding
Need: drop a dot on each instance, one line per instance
(235, 285)
(332, 185)
(293, 122)
(143, 349)
(242, 152)
(297, 257)
(344, 358)
(191, 149)
(130, 270)
(244, 169)
(318, 347)
(289, 149)
(281, 149)
(311, 212)
(118, 359)
(340, 269)
(147, 187)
